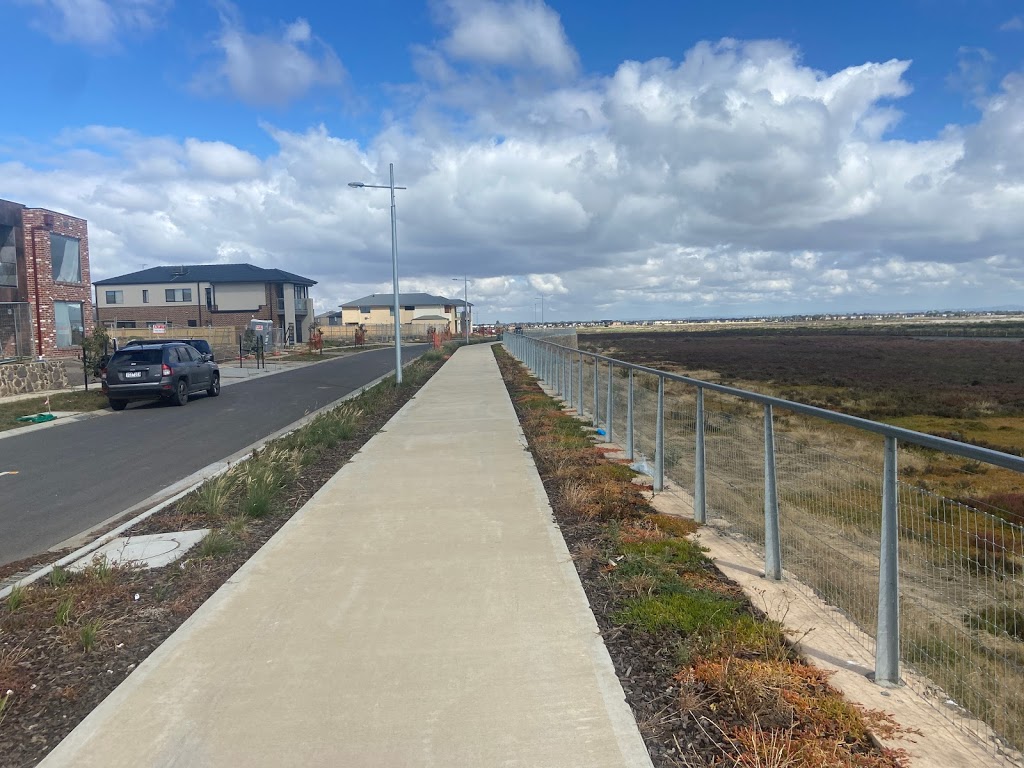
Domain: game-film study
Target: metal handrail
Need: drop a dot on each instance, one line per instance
(965, 450)
(563, 368)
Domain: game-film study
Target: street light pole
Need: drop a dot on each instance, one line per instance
(541, 309)
(394, 266)
(465, 305)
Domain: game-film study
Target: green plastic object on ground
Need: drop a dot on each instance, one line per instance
(39, 418)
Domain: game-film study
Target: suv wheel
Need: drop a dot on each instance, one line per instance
(181, 393)
(118, 405)
(214, 389)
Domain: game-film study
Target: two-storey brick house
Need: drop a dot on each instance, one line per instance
(200, 295)
(45, 298)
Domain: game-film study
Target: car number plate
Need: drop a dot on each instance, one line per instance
(133, 374)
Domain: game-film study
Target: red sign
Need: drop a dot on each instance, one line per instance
(159, 328)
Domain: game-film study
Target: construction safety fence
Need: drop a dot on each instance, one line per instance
(933, 584)
(382, 333)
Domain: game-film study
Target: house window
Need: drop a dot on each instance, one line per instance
(365, 310)
(66, 258)
(125, 323)
(115, 297)
(192, 323)
(178, 294)
(68, 320)
(209, 297)
(145, 296)
(409, 309)
(8, 257)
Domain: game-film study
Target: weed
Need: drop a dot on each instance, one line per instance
(586, 556)
(215, 544)
(577, 497)
(9, 660)
(16, 598)
(88, 634)
(759, 748)
(63, 613)
(58, 577)
(642, 584)
(99, 571)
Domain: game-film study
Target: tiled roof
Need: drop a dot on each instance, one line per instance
(405, 299)
(208, 273)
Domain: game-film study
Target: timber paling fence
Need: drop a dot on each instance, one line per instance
(935, 582)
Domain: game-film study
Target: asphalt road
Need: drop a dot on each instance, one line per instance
(72, 477)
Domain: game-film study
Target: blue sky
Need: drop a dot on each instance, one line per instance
(648, 159)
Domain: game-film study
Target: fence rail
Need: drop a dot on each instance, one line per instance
(935, 581)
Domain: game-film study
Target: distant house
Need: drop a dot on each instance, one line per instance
(331, 318)
(419, 308)
(45, 301)
(206, 295)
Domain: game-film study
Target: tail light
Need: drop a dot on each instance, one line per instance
(165, 370)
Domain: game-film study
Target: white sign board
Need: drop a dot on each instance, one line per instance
(159, 328)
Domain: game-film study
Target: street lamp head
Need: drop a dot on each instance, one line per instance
(356, 184)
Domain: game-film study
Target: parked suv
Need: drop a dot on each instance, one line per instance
(167, 370)
(201, 345)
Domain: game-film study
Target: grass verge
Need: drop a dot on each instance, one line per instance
(10, 411)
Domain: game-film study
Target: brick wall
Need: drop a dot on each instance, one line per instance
(43, 290)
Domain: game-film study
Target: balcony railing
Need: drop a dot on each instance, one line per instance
(301, 306)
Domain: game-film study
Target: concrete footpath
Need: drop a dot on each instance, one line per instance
(421, 610)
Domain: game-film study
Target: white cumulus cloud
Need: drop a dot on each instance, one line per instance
(736, 180)
(269, 69)
(524, 34)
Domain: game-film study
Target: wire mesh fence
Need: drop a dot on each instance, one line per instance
(950, 594)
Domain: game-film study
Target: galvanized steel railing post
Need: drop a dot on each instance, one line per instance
(659, 439)
(608, 407)
(597, 368)
(700, 510)
(559, 371)
(887, 640)
(568, 378)
(579, 388)
(772, 548)
(629, 418)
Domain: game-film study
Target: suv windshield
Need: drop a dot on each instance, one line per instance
(128, 356)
